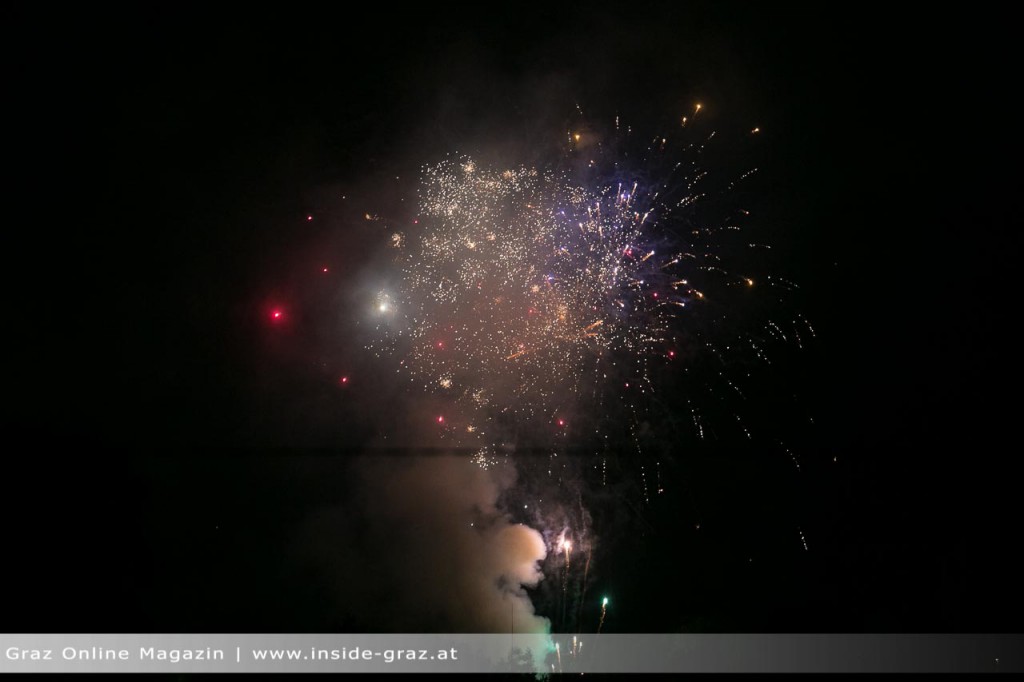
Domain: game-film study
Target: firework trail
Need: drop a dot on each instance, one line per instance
(565, 546)
(583, 587)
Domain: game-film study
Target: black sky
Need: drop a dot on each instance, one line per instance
(160, 163)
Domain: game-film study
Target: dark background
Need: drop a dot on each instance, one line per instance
(160, 164)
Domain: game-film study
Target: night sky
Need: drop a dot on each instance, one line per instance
(176, 460)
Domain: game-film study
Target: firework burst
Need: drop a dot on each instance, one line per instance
(529, 292)
(575, 303)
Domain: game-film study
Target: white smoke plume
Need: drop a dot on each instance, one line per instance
(424, 547)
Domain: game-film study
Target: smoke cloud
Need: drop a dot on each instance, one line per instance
(430, 549)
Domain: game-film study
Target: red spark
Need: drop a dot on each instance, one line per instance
(440, 419)
(308, 218)
(276, 315)
(344, 380)
(323, 269)
(561, 422)
(671, 353)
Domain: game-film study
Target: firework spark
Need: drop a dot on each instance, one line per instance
(604, 612)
